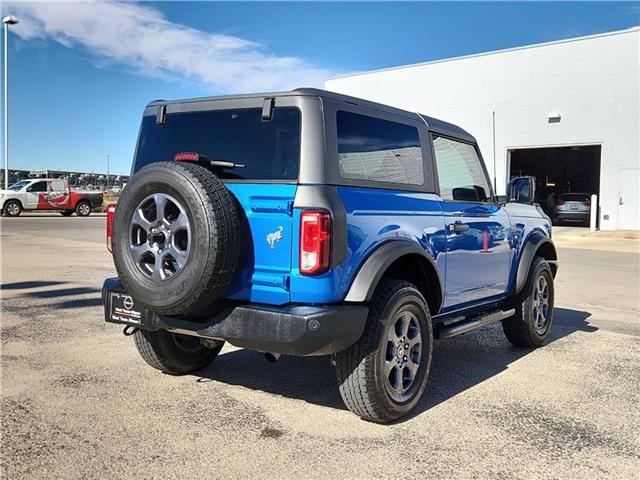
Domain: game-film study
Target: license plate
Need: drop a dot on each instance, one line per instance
(574, 207)
(124, 309)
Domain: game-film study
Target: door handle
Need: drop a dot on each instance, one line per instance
(458, 227)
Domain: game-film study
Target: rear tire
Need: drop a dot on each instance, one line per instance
(172, 353)
(383, 376)
(83, 209)
(12, 208)
(531, 323)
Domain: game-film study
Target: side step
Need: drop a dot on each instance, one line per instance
(464, 326)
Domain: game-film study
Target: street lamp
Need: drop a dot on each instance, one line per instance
(8, 20)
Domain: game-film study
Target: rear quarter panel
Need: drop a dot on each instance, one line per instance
(374, 217)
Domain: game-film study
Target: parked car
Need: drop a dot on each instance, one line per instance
(573, 207)
(313, 223)
(47, 194)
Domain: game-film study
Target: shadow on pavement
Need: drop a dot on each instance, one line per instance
(59, 294)
(29, 284)
(458, 364)
(63, 292)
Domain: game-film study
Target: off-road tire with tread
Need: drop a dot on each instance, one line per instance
(357, 368)
(161, 351)
(520, 329)
(215, 245)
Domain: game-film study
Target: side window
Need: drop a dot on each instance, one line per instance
(57, 186)
(37, 187)
(378, 150)
(460, 172)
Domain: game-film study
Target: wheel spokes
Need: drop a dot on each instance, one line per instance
(139, 251)
(140, 220)
(179, 256)
(158, 268)
(177, 224)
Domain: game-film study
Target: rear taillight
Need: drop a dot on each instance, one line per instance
(111, 210)
(315, 242)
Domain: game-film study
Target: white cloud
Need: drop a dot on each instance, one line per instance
(143, 39)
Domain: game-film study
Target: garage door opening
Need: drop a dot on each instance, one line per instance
(560, 171)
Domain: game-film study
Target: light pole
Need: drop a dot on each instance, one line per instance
(8, 20)
(108, 158)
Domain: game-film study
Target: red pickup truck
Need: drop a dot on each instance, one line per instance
(47, 194)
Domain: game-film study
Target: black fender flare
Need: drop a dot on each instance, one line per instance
(374, 267)
(532, 246)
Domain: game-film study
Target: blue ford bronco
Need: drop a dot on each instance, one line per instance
(313, 223)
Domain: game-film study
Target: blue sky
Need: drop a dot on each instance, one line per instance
(82, 73)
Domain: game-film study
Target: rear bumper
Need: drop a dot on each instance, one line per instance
(576, 216)
(293, 330)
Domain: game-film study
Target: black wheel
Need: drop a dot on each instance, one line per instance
(531, 323)
(12, 208)
(83, 209)
(176, 238)
(383, 375)
(66, 213)
(173, 353)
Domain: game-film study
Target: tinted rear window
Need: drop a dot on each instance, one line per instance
(574, 197)
(269, 149)
(378, 150)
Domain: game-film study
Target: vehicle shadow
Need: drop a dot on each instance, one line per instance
(458, 364)
(30, 284)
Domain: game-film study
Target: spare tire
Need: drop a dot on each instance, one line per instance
(176, 238)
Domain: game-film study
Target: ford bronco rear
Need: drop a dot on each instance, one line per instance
(311, 223)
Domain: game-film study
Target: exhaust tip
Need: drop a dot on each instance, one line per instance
(272, 357)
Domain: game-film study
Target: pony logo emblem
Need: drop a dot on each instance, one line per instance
(274, 237)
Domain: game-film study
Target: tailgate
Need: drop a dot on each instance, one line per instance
(266, 256)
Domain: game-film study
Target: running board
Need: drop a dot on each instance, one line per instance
(464, 326)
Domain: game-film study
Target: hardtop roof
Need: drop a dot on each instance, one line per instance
(434, 124)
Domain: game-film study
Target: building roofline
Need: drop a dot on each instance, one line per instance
(492, 52)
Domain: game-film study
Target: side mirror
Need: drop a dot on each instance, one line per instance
(521, 190)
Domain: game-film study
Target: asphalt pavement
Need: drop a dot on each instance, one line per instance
(78, 402)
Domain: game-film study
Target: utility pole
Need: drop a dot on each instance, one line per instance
(8, 20)
(108, 159)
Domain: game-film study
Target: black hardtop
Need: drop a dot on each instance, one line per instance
(434, 124)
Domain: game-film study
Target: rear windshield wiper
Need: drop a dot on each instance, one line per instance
(223, 164)
(198, 157)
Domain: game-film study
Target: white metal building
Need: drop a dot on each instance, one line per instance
(567, 112)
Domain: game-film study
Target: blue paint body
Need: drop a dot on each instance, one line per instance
(477, 266)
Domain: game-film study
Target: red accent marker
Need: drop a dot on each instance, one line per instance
(485, 241)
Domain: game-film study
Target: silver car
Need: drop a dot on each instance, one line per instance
(573, 207)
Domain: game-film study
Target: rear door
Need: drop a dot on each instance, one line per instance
(58, 195)
(478, 253)
(628, 198)
(266, 154)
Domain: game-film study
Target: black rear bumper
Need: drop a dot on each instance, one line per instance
(293, 329)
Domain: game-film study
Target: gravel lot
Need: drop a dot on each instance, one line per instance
(77, 402)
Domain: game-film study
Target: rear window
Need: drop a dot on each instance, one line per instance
(270, 150)
(574, 197)
(378, 150)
